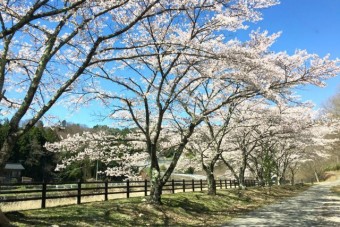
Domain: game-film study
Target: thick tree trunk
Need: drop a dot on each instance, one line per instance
(155, 177)
(156, 189)
(5, 153)
(241, 178)
(209, 171)
(4, 222)
(6, 150)
(211, 183)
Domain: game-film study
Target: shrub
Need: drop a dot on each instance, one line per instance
(190, 170)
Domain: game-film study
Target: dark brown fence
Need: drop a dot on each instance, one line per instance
(48, 191)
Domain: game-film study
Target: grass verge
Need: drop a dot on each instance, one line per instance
(181, 209)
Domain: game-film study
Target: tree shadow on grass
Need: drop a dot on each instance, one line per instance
(39, 221)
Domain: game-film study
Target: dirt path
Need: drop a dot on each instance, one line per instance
(317, 206)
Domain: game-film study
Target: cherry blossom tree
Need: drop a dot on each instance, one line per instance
(48, 46)
(183, 68)
(120, 157)
(294, 130)
(188, 72)
(246, 136)
(163, 67)
(208, 143)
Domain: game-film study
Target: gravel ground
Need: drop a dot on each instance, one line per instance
(317, 206)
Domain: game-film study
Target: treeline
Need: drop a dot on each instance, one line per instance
(39, 163)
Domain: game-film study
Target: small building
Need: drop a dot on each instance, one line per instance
(12, 172)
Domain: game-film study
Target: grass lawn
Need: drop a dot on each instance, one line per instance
(180, 209)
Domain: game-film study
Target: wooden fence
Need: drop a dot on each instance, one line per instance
(48, 191)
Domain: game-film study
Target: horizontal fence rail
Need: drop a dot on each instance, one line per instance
(43, 191)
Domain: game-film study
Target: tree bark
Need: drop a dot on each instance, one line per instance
(241, 178)
(6, 150)
(155, 177)
(292, 179)
(4, 222)
(260, 177)
(243, 170)
(211, 183)
(156, 188)
(209, 171)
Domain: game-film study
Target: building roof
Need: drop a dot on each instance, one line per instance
(16, 166)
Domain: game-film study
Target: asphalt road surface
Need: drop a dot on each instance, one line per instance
(317, 206)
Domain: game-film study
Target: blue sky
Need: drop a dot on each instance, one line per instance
(313, 25)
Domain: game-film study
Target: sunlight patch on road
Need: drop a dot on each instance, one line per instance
(333, 219)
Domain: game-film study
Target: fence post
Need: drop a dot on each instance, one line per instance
(43, 195)
(106, 190)
(235, 184)
(145, 187)
(183, 185)
(173, 186)
(220, 184)
(127, 189)
(225, 184)
(79, 192)
(193, 185)
(201, 184)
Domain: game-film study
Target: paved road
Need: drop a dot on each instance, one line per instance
(315, 207)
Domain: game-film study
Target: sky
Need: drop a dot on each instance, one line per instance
(313, 25)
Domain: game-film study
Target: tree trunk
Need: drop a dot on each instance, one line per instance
(3, 220)
(155, 177)
(243, 170)
(241, 178)
(156, 188)
(292, 179)
(278, 178)
(260, 178)
(211, 183)
(316, 177)
(5, 153)
(6, 150)
(278, 181)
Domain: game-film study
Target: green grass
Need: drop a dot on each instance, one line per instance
(181, 209)
(335, 167)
